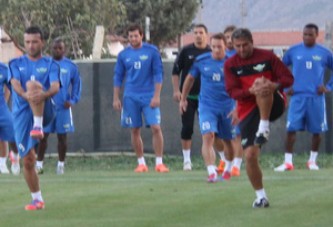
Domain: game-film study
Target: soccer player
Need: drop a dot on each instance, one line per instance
(215, 104)
(254, 78)
(307, 109)
(236, 142)
(68, 95)
(34, 79)
(180, 70)
(141, 64)
(6, 127)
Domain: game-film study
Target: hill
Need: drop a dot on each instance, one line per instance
(264, 14)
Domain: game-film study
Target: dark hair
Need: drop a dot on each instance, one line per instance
(312, 25)
(242, 33)
(229, 28)
(34, 30)
(219, 36)
(58, 40)
(201, 26)
(134, 27)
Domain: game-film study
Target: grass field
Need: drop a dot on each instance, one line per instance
(106, 192)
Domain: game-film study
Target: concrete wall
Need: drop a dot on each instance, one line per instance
(98, 125)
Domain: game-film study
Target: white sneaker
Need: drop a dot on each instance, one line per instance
(284, 167)
(261, 138)
(15, 160)
(39, 170)
(4, 169)
(312, 165)
(60, 170)
(187, 166)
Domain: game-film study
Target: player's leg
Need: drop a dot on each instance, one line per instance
(62, 150)
(208, 155)
(41, 149)
(34, 87)
(316, 124)
(238, 155)
(295, 122)
(3, 157)
(32, 181)
(248, 127)
(187, 131)
(14, 158)
(219, 148)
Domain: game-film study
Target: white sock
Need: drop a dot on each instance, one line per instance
(187, 155)
(141, 161)
(3, 160)
(228, 165)
(261, 193)
(237, 162)
(222, 157)
(313, 156)
(61, 164)
(288, 158)
(211, 169)
(158, 161)
(263, 126)
(39, 164)
(37, 195)
(38, 121)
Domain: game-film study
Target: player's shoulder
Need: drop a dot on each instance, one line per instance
(187, 47)
(203, 57)
(18, 60)
(69, 62)
(322, 48)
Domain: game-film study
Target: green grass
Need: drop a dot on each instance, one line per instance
(104, 191)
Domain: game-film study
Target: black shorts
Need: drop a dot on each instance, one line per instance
(249, 125)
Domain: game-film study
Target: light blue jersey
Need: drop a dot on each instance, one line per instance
(6, 119)
(70, 91)
(214, 102)
(141, 68)
(45, 71)
(308, 67)
(212, 91)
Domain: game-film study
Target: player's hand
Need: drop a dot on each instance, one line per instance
(155, 102)
(36, 97)
(176, 96)
(234, 117)
(182, 106)
(322, 90)
(67, 105)
(116, 104)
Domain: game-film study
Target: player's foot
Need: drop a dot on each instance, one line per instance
(141, 168)
(39, 170)
(212, 178)
(220, 168)
(235, 172)
(15, 160)
(187, 166)
(37, 133)
(35, 205)
(226, 175)
(4, 169)
(161, 168)
(312, 165)
(261, 138)
(60, 170)
(284, 167)
(260, 203)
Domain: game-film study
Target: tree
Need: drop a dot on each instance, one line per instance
(168, 18)
(74, 20)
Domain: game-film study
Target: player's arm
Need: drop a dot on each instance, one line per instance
(187, 86)
(16, 84)
(6, 93)
(76, 88)
(282, 77)
(119, 73)
(158, 78)
(177, 68)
